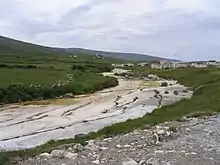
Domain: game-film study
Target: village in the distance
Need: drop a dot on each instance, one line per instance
(167, 64)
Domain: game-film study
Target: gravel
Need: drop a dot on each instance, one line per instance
(196, 142)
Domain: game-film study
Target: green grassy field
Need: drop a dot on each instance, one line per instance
(25, 78)
(30, 76)
(206, 101)
(51, 68)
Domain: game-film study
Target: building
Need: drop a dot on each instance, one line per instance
(162, 65)
(180, 65)
(118, 65)
(198, 65)
(129, 64)
(142, 64)
(213, 63)
(123, 65)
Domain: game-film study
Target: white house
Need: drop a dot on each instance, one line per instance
(198, 65)
(123, 65)
(180, 65)
(142, 64)
(161, 66)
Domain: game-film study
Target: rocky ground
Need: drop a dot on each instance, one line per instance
(192, 141)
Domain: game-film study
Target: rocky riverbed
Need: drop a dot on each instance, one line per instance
(32, 125)
(193, 141)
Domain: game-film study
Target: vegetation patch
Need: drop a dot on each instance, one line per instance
(78, 84)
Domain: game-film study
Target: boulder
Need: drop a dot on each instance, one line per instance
(45, 155)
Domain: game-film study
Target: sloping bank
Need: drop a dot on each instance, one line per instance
(206, 99)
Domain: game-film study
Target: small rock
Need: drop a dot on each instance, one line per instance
(127, 146)
(159, 152)
(193, 153)
(95, 162)
(45, 155)
(156, 137)
(161, 132)
(91, 145)
(103, 148)
(96, 156)
(157, 143)
(152, 161)
(70, 149)
(118, 146)
(57, 154)
(139, 146)
(78, 148)
(129, 162)
(158, 127)
(107, 140)
(142, 161)
(167, 163)
(168, 133)
(70, 155)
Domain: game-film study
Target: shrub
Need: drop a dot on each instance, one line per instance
(80, 84)
(175, 92)
(172, 129)
(166, 92)
(164, 84)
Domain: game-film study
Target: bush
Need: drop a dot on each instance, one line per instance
(175, 92)
(80, 84)
(164, 84)
(166, 92)
(92, 67)
(18, 66)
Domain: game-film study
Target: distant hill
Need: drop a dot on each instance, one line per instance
(11, 46)
(126, 56)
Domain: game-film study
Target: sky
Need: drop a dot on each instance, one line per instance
(188, 28)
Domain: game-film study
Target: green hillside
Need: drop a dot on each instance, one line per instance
(10, 46)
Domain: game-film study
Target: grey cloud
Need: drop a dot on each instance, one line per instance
(192, 35)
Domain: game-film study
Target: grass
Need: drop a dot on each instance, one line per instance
(206, 99)
(42, 76)
(51, 68)
(149, 84)
(58, 102)
(81, 75)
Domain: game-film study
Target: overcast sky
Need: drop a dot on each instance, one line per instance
(190, 28)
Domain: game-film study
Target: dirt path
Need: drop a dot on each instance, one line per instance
(32, 125)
